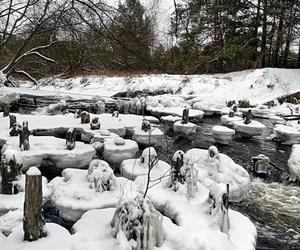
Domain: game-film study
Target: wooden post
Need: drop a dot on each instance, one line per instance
(85, 117)
(12, 120)
(33, 223)
(11, 164)
(24, 137)
(185, 116)
(70, 138)
(249, 117)
(5, 109)
(95, 124)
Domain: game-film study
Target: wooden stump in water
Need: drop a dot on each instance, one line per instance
(24, 137)
(33, 223)
(70, 138)
(5, 109)
(10, 167)
(185, 116)
(12, 120)
(85, 117)
(249, 117)
(95, 124)
(14, 131)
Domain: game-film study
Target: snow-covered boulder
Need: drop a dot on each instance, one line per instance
(294, 163)
(170, 119)
(274, 119)
(116, 150)
(287, 134)
(103, 135)
(132, 168)
(54, 149)
(226, 120)
(222, 135)
(152, 137)
(254, 128)
(78, 191)
(217, 168)
(188, 128)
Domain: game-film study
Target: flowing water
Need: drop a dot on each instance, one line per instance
(273, 207)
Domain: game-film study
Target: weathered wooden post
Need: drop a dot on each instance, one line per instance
(231, 113)
(85, 117)
(12, 120)
(99, 149)
(185, 116)
(249, 117)
(33, 223)
(5, 109)
(95, 124)
(14, 131)
(70, 138)
(146, 126)
(11, 164)
(24, 136)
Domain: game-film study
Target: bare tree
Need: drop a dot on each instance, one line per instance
(24, 21)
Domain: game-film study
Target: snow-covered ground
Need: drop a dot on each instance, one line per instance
(257, 86)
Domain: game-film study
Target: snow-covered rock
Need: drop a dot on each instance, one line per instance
(116, 150)
(132, 168)
(170, 119)
(274, 119)
(75, 192)
(52, 148)
(222, 135)
(226, 120)
(145, 138)
(254, 128)
(217, 168)
(294, 163)
(188, 128)
(287, 134)
(103, 135)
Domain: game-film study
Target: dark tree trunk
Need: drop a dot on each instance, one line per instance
(264, 35)
(12, 120)
(298, 61)
(24, 137)
(10, 170)
(33, 223)
(279, 37)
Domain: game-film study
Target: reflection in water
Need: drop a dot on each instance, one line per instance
(273, 207)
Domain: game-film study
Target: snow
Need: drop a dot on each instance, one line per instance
(33, 171)
(16, 201)
(287, 134)
(219, 169)
(228, 121)
(294, 163)
(222, 135)
(188, 128)
(11, 154)
(254, 128)
(52, 148)
(116, 153)
(170, 118)
(73, 194)
(142, 137)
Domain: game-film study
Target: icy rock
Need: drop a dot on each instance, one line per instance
(287, 134)
(254, 128)
(170, 119)
(188, 128)
(103, 135)
(214, 168)
(226, 120)
(116, 150)
(294, 163)
(57, 108)
(99, 107)
(95, 124)
(219, 200)
(274, 119)
(154, 137)
(132, 168)
(139, 222)
(72, 202)
(101, 176)
(222, 135)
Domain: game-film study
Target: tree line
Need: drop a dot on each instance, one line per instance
(43, 37)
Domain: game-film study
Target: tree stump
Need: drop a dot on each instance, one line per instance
(231, 113)
(5, 109)
(70, 138)
(248, 117)
(14, 131)
(12, 120)
(185, 116)
(33, 223)
(11, 164)
(24, 137)
(146, 126)
(95, 124)
(85, 117)
(99, 149)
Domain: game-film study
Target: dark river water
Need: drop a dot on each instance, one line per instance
(273, 207)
